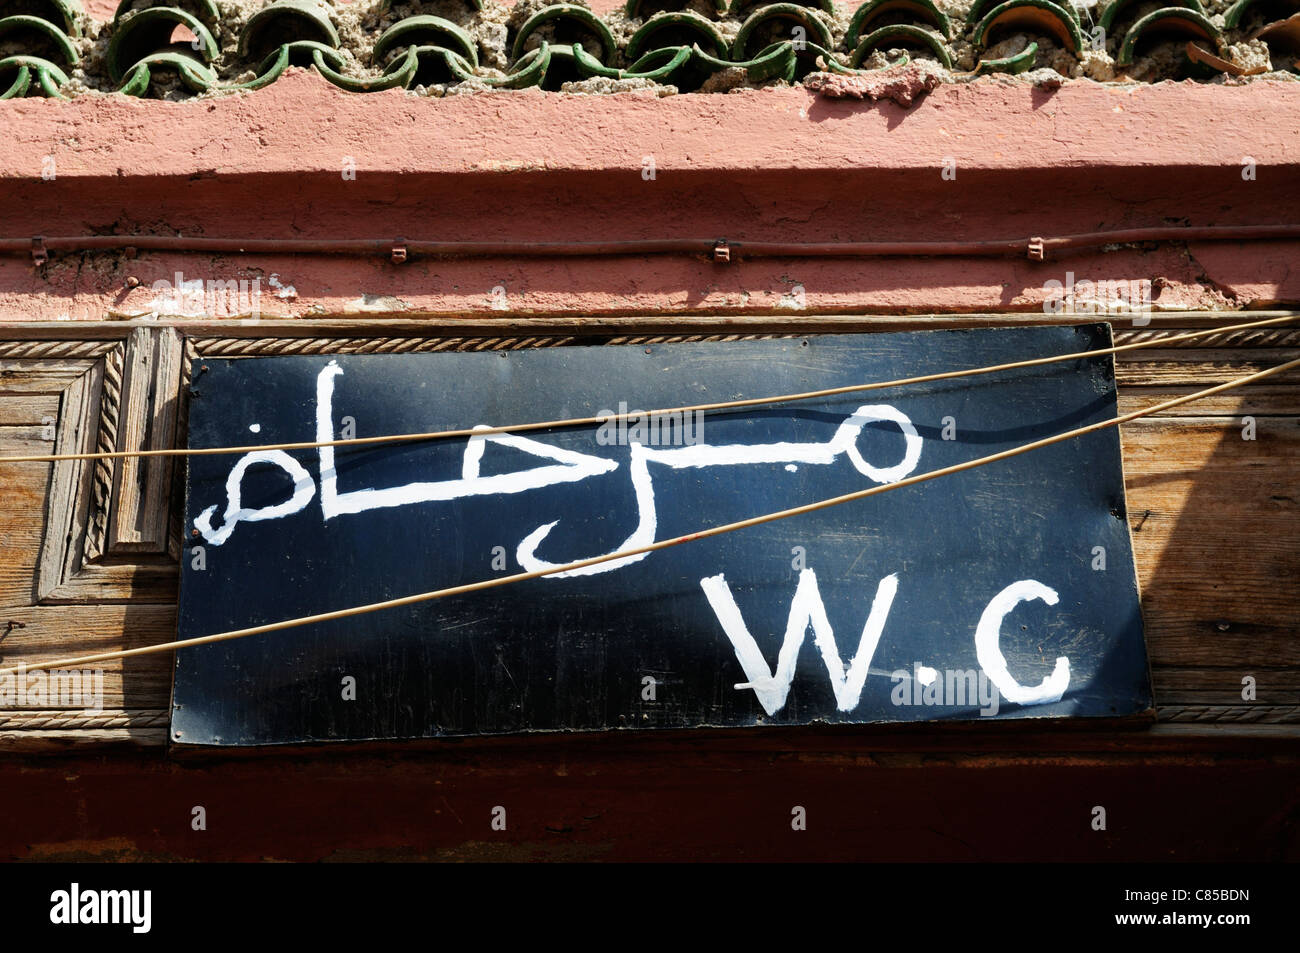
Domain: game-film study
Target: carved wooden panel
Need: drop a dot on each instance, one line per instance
(111, 534)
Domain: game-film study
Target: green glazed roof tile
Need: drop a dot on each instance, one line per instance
(286, 21)
(205, 10)
(579, 19)
(743, 9)
(29, 75)
(147, 32)
(64, 14)
(386, 5)
(1031, 15)
(979, 8)
(815, 30)
(196, 76)
(39, 33)
(1176, 20)
(1115, 8)
(676, 29)
(922, 10)
(426, 31)
(676, 42)
(1236, 13)
(900, 35)
(642, 9)
(1016, 63)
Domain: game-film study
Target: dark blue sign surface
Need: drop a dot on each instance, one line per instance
(1004, 591)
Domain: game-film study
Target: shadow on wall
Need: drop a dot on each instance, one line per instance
(1214, 507)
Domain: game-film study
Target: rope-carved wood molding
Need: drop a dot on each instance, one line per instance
(1235, 714)
(48, 350)
(1253, 337)
(43, 720)
(110, 406)
(240, 346)
(269, 347)
(692, 338)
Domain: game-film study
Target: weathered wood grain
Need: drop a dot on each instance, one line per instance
(38, 376)
(142, 488)
(39, 633)
(55, 516)
(33, 410)
(67, 501)
(1201, 367)
(1264, 399)
(1177, 685)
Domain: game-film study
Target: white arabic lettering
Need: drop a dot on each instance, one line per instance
(565, 466)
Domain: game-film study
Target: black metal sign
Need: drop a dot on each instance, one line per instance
(1005, 591)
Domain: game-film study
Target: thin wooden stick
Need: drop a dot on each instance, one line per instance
(663, 544)
(581, 421)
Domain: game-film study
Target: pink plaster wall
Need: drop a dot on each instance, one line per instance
(764, 165)
(301, 123)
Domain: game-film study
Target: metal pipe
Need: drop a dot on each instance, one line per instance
(719, 249)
